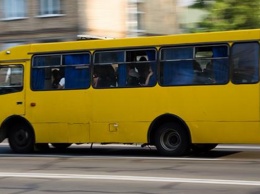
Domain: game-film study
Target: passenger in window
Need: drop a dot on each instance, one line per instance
(104, 76)
(133, 78)
(95, 80)
(97, 76)
(197, 67)
(110, 76)
(209, 73)
(148, 77)
(145, 71)
(62, 83)
(58, 80)
(198, 76)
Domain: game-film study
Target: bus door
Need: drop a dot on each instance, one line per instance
(11, 90)
(58, 101)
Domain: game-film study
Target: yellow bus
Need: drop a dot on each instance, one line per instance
(176, 92)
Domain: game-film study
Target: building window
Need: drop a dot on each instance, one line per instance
(50, 7)
(14, 9)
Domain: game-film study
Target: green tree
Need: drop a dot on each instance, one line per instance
(231, 15)
(200, 4)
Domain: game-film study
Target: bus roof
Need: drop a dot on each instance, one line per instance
(193, 38)
(151, 41)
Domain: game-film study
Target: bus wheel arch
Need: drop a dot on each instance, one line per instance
(20, 134)
(169, 126)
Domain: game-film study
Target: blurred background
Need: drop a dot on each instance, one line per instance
(29, 21)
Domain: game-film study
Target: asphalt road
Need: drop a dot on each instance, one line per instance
(130, 170)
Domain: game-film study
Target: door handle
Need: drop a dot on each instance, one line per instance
(18, 103)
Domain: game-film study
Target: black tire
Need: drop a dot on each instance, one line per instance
(61, 146)
(200, 148)
(172, 139)
(21, 138)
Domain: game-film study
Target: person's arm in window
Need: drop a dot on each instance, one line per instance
(61, 83)
(150, 74)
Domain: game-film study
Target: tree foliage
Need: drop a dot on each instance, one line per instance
(231, 15)
(200, 4)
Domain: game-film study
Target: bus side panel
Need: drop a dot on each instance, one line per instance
(225, 132)
(61, 132)
(120, 132)
(123, 114)
(219, 114)
(61, 116)
(214, 114)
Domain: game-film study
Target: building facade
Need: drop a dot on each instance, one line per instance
(27, 21)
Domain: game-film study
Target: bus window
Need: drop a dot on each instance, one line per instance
(244, 60)
(72, 69)
(105, 68)
(11, 79)
(146, 68)
(124, 68)
(177, 66)
(76, 70)
(141, 68)
(195, 65)
(214, 64)
(111, 57)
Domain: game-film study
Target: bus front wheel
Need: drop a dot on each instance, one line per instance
(172, 139)
(21, 138)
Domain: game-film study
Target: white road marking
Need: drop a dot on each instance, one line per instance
(130, 178)
(235, 146)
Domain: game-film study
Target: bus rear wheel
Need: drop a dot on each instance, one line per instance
(61, 146)
(172, 139)
(21, 138)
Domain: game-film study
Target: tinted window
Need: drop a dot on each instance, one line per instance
(194, 65)
(244, 60)
(124, 68)
(61, 71)
(11, 79)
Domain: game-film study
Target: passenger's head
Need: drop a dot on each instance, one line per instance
(56, 74)
(142, 58)
(144, 68)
